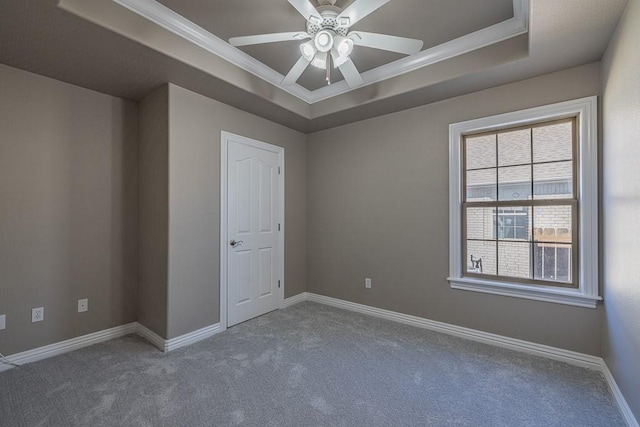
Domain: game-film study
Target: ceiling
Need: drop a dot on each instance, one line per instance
(446, 20)
(101, 45)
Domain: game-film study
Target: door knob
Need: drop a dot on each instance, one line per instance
(233, 243)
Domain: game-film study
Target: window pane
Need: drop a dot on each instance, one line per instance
(552, 224)
(514, 148)
(553, 142)
(514, 183)
(480, 152)
(481, 257)
(513, 223)
(480, 223)
(481, 185)
(563, 263)
(552, 262)
(514, 259)
(553, 180)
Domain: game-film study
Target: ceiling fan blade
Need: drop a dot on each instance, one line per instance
(359, 9)
(267, 38)
(385, 42)
(351, 73)
(306, 9)
(296, 71)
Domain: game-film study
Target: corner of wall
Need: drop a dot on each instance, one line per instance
(153, 140)
(620, 202)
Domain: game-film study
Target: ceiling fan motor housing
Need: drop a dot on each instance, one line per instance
(329, 14)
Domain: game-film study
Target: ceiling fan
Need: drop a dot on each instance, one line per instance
(331, 41)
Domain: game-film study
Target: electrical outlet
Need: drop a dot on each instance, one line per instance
(367, 283)
(37, 314)
(3, 321)
(83, 305)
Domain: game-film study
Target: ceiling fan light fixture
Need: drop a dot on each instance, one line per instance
(308, 50)
(344, 46)
(339, 60)
(323, 41)
(320, 60)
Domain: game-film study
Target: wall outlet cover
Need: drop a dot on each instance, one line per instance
(83, 305)
(3, 321)
(37, 314)
(367, 283)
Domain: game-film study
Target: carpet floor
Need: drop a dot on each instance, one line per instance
(307, 365)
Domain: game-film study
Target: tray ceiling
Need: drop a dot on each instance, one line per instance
(446, 27)
(103, 46)
(432, 21)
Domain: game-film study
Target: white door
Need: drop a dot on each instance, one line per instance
(254, 285)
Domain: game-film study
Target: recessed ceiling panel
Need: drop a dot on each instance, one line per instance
(125, 52)
(432, 21)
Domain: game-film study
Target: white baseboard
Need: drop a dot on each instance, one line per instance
(617, 394)
(55, 349)
(153, 338)
(571, 357)
(181, 341)
(567, 356)
(61, 347)
(192, 337)
(288, 302)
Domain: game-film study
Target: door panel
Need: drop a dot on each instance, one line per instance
(242, 261)
(266, 272)
(242, 208)
(265, 203)
(252, 222)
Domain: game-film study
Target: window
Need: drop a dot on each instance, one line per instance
(521, 181)
(523, 204)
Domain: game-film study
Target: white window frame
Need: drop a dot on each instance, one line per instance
(586, 112)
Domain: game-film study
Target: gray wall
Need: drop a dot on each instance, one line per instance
(179, 162)
(68, 215)
(153, 202)
(621, 200)
(378, 207)
(180, 206)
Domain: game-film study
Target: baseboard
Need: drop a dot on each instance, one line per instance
(72, 344)
(181, 341)
(617, 394)
(288, 302)
(55, 349)
(567, 356)
(571, 357)
(153, 338)
(192, 337)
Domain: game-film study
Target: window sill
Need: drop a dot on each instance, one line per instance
(573, 297)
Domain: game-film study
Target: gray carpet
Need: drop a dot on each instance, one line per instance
(307, 365)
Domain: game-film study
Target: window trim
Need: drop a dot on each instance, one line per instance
(587, 292)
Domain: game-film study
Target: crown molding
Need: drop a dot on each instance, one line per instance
(166, 18)
(179, 25)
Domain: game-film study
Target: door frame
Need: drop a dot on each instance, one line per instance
(225, 137)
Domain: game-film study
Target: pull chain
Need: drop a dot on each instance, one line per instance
(328, 78)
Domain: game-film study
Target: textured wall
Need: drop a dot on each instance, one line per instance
(194, 204)
(378, 207)
(621, 201)
(153, 212)
(68, 210)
